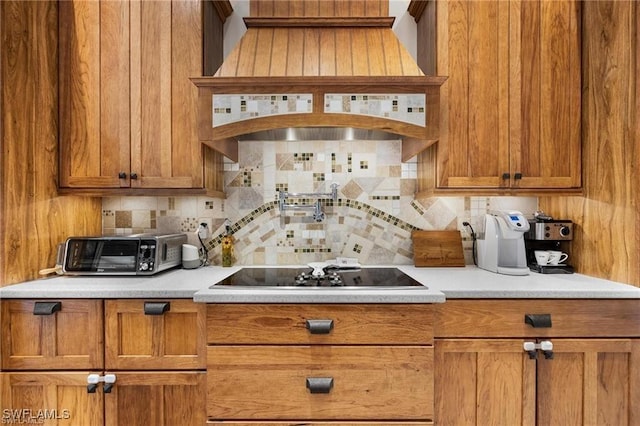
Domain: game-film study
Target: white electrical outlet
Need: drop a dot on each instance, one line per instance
(205, 227)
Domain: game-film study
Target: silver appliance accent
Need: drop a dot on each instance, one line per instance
(137, 254)
(502, 248)
(316, 208)
(556, 230)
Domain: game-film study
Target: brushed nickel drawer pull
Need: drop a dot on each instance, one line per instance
(156, 308)
(538, 320)
(319, 384)
(319, 326)
(46, 308)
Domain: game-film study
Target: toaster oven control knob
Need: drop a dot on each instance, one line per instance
(144, 266)
(565, 231)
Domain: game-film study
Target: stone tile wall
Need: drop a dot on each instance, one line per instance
(371, 220)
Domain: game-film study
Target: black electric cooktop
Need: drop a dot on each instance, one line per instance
(302, 277)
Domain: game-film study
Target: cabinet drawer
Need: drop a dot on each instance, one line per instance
(320, 324)
(569, 318)
(149, 335)
(52, 334)
(276, 382)
(329, 423)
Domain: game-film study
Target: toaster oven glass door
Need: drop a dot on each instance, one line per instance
(100, 255)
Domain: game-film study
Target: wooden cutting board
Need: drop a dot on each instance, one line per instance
(437, 248)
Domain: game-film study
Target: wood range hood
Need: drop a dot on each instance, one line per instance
(320, 78)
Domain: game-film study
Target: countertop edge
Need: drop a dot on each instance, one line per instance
(442, 283)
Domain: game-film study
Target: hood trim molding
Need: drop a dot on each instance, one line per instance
(321, 56)
(320, 22)
(221, 138)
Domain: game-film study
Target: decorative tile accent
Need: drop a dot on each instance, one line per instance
(123, 219)
(408, 108)
(189, 224)
(232, 108)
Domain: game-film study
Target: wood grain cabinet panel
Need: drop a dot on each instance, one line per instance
(270, 382)
(70, 338)
(157, 398)
(569, 318)
(127, 107)
(510, 108)
(49, 398)
(350, 324)
(298, 423)
(340, 364)
(584, 379)
(173, 340)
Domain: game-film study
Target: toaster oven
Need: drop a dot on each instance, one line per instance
(138, 254)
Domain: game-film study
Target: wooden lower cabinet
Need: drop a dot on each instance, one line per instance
(156, 398)
(303, 423)
(58, 398)
(155, 334)
(272, 382)
(155, 349)
(56, 334)
(483, 379)
(484, 382)
(320, 364)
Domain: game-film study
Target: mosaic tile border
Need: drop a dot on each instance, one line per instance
(406, 108)
(233, 108)
(341, 202)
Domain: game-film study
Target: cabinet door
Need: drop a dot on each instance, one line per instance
(166, 49)
(590, 382)
(545, 94)
(158, 398)
(127, 108)
(49, 398)
(70, 338)
(511, 106)
(484, 382)
(138, 338)
(472, 50)
(94, 94)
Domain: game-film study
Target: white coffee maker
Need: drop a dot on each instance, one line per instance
(502, 248)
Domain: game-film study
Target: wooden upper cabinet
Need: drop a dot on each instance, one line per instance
(52, 334)
(510, 108)
(128, 111)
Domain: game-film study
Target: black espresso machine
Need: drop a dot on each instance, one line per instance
(546, 233)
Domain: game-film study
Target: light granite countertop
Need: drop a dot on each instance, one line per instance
(440, 284)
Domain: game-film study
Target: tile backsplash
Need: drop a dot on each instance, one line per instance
(372, 219)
